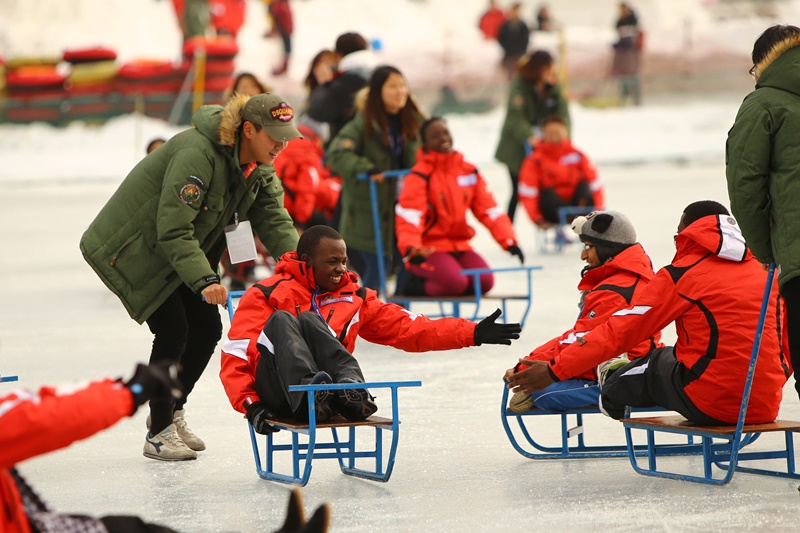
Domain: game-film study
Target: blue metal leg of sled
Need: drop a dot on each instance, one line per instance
(341, 449)
(727, 455)
(529, 444)
(6, 379)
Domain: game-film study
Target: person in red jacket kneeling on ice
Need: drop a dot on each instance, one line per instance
(299, 327)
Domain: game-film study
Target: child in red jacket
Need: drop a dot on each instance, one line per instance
(431, 217)
(556, 175)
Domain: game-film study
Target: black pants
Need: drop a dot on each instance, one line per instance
(187, 331)
(550, 201)
(512, 202)
(295, 349)
(791, 295)
(657, 379)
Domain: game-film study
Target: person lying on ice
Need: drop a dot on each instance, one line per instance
(712, 291)
(300, 327)
(617, 270)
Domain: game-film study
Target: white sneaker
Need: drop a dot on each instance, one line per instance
(167, 446)
(605, 369)
(187, 435)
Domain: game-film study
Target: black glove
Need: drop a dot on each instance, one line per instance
(257, 415)
(489, 332)
(515, 250)
(415, 259)
(158, 381)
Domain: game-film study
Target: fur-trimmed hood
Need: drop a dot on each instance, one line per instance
(777, 51)
(221, 124)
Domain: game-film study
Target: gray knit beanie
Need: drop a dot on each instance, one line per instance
(610, 232)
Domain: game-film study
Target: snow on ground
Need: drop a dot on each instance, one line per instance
(455, 469)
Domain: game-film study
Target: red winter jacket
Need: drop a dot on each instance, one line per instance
(606, 289)
(712, 291)
(282, 13)
(350, 311)
(556, 166)
(491, 21)
(303, 176)
(432, 209)
(36, 423)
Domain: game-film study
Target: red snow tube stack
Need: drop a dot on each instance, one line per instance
(153, 84)
(219, 67)
(36, 92)
(91, 86)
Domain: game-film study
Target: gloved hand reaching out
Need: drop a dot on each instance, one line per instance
(158, 381)
(489, 332)
(257, 415)
(516, 251)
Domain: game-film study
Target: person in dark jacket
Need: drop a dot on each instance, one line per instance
(627, 55)
(712, 290)
(533, 96)
(514, 37)
(763, 167)
(384, 136)
(300, 327)
(334, 102)
(157, 242)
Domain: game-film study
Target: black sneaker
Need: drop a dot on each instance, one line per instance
(322, 398)
(354, 404)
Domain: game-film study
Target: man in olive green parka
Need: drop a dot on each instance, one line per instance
(158, 241)
(763, 167)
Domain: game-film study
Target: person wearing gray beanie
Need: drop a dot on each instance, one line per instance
(609, 232)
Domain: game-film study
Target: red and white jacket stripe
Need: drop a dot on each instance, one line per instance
(433, 204)
(32, 424)
(712, 291)
(350, 311)
(606, 289)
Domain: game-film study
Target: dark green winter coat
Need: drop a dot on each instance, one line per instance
(763, 161)
(351, 154)
(526, 111)
(165, 223)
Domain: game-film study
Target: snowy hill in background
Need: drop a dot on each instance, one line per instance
(431, 41)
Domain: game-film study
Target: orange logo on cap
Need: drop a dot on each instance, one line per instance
(283, 112)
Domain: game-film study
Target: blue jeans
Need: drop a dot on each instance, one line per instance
(567, 394)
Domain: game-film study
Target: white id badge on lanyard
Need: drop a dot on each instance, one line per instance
(241, 244)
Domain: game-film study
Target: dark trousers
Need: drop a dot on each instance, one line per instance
(791, 295)
(512, 202)
(295, 349)
(550, 201)
(657, 379)
(187, 331)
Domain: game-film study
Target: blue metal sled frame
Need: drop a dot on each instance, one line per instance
(344, 451)
(531, 448)
(727, 455)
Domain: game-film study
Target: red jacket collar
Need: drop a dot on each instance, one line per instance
(632, 259)
(291, 266)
